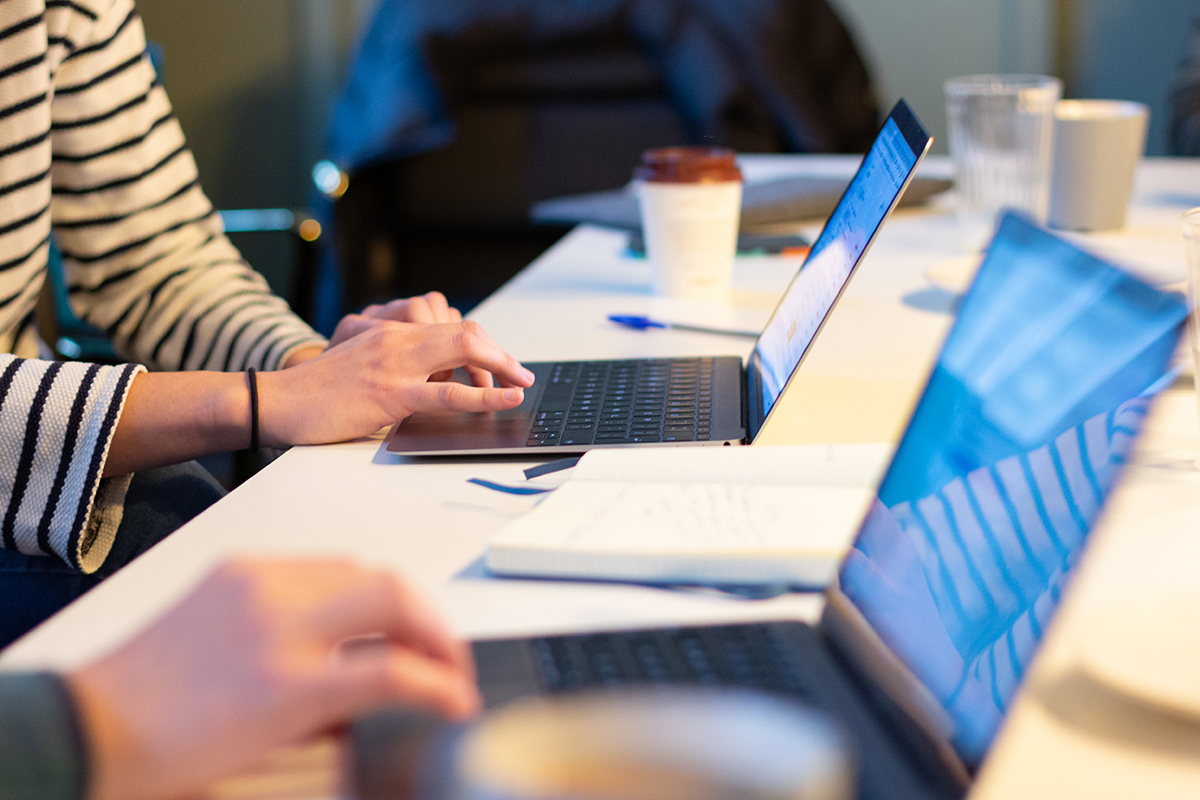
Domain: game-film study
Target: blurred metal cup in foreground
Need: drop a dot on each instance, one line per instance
(1000, 131)
(1191, 245)
(664, 743)
(691, 201)
(1097, 144)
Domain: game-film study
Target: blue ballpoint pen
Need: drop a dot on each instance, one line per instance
(642, 323)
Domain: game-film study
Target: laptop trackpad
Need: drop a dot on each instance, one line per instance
(428, 431)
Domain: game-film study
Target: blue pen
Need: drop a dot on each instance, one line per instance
(643, 323)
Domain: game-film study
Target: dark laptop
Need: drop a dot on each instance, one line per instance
(938, 608)
(575, 406)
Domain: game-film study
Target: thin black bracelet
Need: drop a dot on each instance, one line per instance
(252, 379)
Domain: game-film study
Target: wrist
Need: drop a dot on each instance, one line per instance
(229, 412)
(110, 744)
(272, 418)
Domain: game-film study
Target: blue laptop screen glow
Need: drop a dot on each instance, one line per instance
(846, 234)
(1029, 414)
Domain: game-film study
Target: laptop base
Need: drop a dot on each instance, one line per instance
(787, 658)
(576, 406)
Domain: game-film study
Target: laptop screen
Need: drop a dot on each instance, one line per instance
(1029, 413)
(872, 193)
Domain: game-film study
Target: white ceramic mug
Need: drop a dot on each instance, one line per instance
(655, 743)
(1097, 144)
(691, 200)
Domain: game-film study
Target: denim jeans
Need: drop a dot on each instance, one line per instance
(158, 502)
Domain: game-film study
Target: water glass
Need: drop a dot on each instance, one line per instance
(1191, 245)
(1001, 131)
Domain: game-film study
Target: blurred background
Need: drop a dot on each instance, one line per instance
(254, 83)
(253, 80)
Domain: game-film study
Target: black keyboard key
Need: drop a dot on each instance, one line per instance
(654, 667)
(697, 658)
(577, 437)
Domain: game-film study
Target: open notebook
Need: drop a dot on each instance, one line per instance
(725, 515)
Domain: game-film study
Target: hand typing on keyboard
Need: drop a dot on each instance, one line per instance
(380, 367)
(427, 309)
(383, 374)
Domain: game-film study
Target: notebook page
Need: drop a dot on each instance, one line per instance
(847, 465)
(719, 520)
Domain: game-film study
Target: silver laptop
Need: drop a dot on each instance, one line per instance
(958, 568)
(575, 406)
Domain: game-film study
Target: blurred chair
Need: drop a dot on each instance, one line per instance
(250, 230)
(459, 114)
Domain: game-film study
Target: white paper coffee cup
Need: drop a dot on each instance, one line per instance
(691, 200)
(1097, 144)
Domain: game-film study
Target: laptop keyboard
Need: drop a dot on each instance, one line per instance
(738, 655)
(623, 402)
(784, 658)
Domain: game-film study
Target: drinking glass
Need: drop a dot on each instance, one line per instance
(1001, 134)
(1191, 245)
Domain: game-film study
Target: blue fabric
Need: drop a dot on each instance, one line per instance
(158, 502)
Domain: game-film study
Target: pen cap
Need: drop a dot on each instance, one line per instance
(688, 165)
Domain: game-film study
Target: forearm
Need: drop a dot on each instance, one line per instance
(174, 417)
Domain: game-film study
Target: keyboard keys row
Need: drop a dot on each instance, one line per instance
(737, 655)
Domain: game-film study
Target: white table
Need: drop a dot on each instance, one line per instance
(857, 385)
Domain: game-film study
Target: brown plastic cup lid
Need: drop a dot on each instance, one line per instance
(688, 165)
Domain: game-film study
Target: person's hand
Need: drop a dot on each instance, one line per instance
(381, 375)
(256, 658)
(431, 308)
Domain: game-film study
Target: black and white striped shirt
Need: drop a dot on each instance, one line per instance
(90, 149)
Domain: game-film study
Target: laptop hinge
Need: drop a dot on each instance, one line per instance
(849, 633)
(745, 384)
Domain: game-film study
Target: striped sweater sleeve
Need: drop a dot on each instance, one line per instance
(144, 251)
(56, 422)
